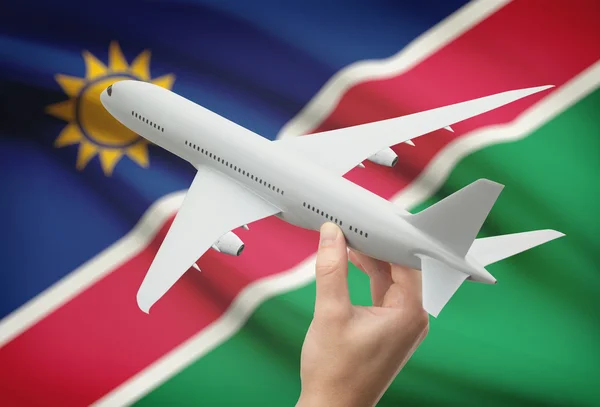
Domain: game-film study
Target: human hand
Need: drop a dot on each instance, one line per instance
(351, 354)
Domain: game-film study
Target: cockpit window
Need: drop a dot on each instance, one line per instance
(109, 90)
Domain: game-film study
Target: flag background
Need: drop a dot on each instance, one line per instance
(78, 241)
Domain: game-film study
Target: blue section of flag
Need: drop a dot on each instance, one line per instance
(257, 63)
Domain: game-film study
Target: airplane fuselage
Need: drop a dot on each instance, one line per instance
(306, 194)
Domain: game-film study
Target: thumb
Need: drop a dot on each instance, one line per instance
(332, 271)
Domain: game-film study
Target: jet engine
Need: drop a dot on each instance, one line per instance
(385, 157)
(230, 244)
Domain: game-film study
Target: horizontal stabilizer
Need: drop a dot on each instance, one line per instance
(489, 250)
(456, 220)
(440, 282)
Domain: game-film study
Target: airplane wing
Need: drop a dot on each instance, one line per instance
(213, 206)
(341, 150)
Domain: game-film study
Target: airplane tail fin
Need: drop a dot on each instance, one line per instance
(489, 250)
(456, 220)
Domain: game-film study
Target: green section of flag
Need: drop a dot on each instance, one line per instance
(532, 339)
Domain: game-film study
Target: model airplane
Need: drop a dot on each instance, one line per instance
(243, 177)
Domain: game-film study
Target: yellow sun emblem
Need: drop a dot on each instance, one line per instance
(90, 125)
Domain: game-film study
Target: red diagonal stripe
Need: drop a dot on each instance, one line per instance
(517, 47)
(99, 339)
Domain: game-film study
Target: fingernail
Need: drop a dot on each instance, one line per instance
(329, 234)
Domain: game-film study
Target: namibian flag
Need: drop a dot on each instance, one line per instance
(85, 203)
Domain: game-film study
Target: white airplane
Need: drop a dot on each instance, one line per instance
(242, 177)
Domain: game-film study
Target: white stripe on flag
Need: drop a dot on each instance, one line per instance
(322, 104)
(93, 270)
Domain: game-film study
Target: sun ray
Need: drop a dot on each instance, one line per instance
(69, 135)
(139, 153)
(165, 81)
(140, 66)
(93, 67)
(109, 157)
(63, 110)
(71, 85)
(87, 151)
(116, 60)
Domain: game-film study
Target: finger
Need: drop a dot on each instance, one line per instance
(406, 290)
(411, 279)
(379, 273)
(332, 271)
